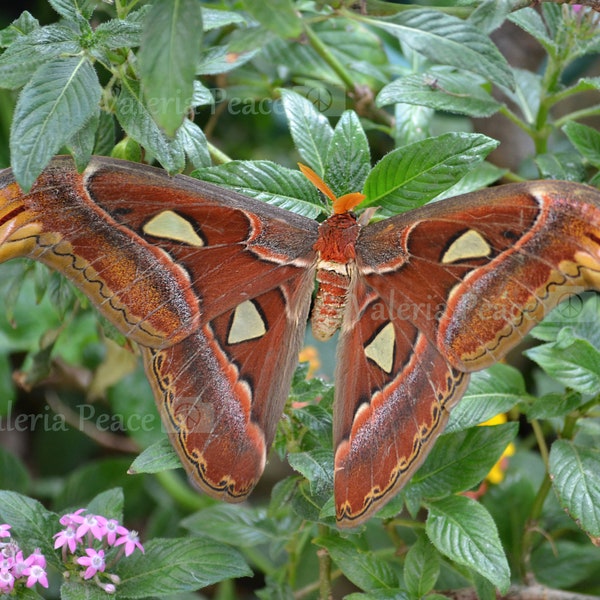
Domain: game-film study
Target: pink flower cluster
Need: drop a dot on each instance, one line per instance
(89, 538)
(14, 567)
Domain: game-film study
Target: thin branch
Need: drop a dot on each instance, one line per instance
(104, 438)
(517, 592)
(325, 592)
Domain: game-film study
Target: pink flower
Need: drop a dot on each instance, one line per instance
(4, 530)
(36, 558)
(112, 529)
(7, 581)
(73, 518)
(95, 524)
(6, 563)
(577, 7)
(19, 564)
(131, 541)
(36, 574)
(67, 537)
(9, 549)
(94, 561)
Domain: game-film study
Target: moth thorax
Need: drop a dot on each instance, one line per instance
(328, 309)
(336, 246)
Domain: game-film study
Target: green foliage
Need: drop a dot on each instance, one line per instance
(380, 102)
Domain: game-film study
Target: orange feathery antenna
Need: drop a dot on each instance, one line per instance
(342, 204)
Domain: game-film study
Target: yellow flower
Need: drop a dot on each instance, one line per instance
(496, 475)
(310, 355)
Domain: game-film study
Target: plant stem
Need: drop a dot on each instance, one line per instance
(217, 155)
(541, 442)
(325, 592)
(531, 527)
(379, 8)
(590, 111)
(362, 96)
(504, 110)
(328, 57)
(180, 492)
(538, 503)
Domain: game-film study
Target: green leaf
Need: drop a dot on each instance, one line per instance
(421, 568)
(358, 47)
(139, 125)
(269, 182)
(414, 174)
(449, 40)
(586, 140)
(554, 19)
(480, 176)
(484, 588)
(57, 102)
(317, 423)
(194, 143)
(578, 311)
(572, 361)
(529, 20)
(23, 57)
(118, 33)
(317, 467)
(350, 42)
(574, 472)
(23, 25)
(442, 90)
(491, 392)
(105, 135)
(176, 565)
(109, 504)
(566, 166)
(349, 158)
(310, 130)
(583, 84)
(213, 18)
(527, 94)
(550, 406)
(463, 530)
(160, 456)
(460, 460)
(72, 9)
(279, 16)
(226, 522)
(76, 590)
(31, 523)
(202, 96)
(81, 145)
(365, 569)
(490, 14)
(412, 123)
(168, 53)
(221, 59)
(127, 149)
